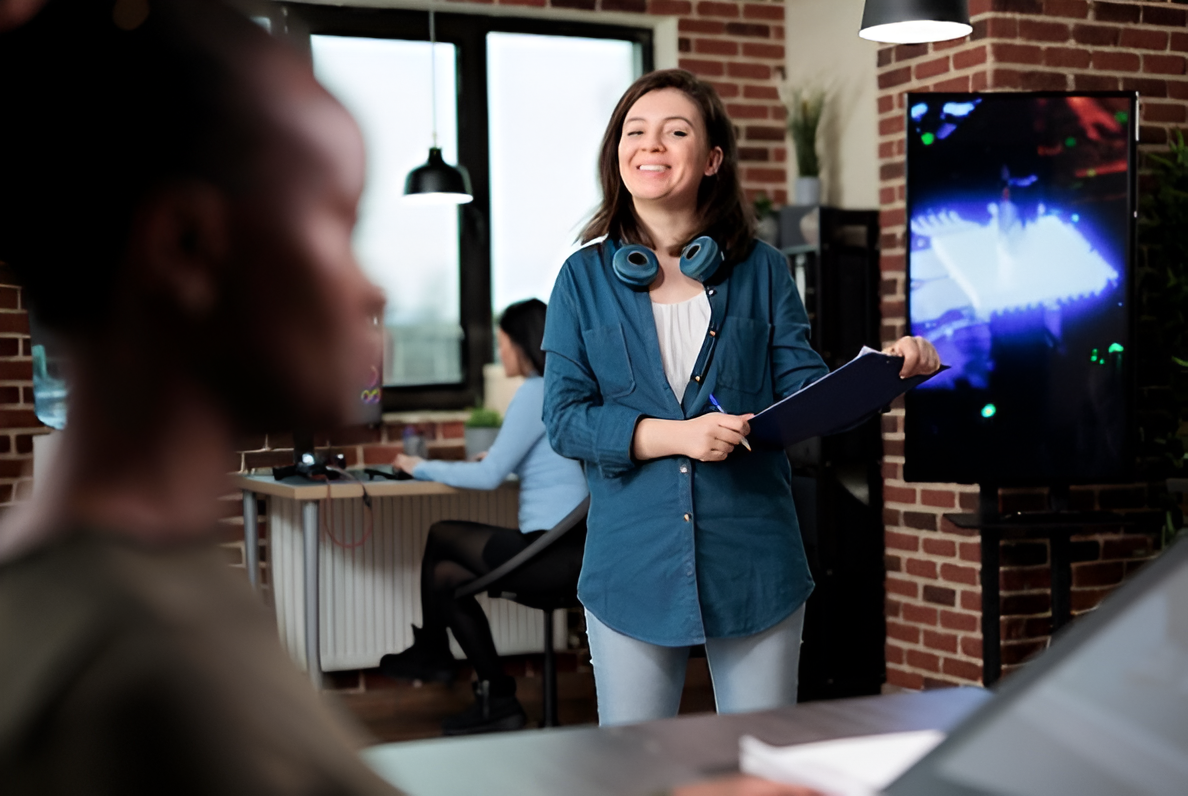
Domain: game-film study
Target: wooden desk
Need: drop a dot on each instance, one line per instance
(342, 607)
(649, 758)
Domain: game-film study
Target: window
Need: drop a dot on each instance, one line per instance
(522, 104)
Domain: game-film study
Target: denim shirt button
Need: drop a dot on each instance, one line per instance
(684, 468)
(688, 517)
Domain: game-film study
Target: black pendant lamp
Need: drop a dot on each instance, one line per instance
(915, 21)
(437, 182)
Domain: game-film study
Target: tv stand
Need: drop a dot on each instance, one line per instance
(1057, 525)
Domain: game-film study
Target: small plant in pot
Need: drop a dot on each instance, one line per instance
(805, 108)
(480, 430)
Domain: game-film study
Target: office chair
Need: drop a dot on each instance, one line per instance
(549, 602)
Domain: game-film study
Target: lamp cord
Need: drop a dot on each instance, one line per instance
(433, 73)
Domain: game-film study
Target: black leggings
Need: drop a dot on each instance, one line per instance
(457, 552)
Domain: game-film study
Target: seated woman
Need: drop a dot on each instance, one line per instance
(457, 552)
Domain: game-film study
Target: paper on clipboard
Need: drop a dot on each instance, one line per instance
(837, 401)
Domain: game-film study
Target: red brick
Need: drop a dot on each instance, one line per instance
(891, 125)
(1129, 546)
(931, 69)
(1116, 12)
(1016, 628)
(1044, 81)
(905, 588)
(970, 551)
(921, 568)
(1097, 35)
(1076, 9)
(1021, 651)
(716, 47)
(22, 418)
(903, 632)
(1095, 83)
(766, 175)
(701, 26)
(1164, 113)
(725, 90)
(753, 49)
(10, 298)
(940, 547)
(749, 30)
(1177, 90)
(919, 614)
(381, 454)
(942, 642)
(895, 77)
(919, 520)
(970, 672)
(886, 104)
(675, 8)
(1025, 578)
(1066, 57)
(953, 84)
(709, 9)
(1086, 599)
(1173, 17)
(761, 92)
(753, 154)
(939, 595)
(892, 564)
(1163, 64)
(893, 654)
(980, 81)
(1104, 573)
(1137, 39)
(890, 516)
(736, 111)
(1179, 42)
(952, 620)
(1116, 61)
(1034, 30)
(953, 573)
(971, 600)
(935, 497)
(770, 11)
(903, 679)
(967, 58)
(1007, 53)
(971, 646)
(923, 660)
(703, 68)
(14, 322)
(901, 541)
(750, 71)
(886, 195)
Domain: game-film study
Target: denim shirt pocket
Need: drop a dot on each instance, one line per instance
(744, 354)
(606, 350)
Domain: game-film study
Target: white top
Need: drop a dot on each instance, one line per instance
(681, 330)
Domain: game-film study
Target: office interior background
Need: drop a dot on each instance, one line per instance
(532, 193)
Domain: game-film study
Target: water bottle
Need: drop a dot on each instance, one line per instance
(49, 385)
(414, 443)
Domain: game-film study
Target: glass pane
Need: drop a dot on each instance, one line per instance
(550, 98)
(411, 251)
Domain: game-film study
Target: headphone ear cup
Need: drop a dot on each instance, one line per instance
(636, 265)
(701, 258)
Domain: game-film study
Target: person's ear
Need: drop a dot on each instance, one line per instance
(182, 238)
(714, 162)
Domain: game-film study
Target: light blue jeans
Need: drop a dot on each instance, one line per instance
(637, 681)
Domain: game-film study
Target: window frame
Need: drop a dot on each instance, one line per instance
(297, 22)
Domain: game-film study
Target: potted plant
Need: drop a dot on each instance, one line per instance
(805, 107)
(768, 226)
(480, 430)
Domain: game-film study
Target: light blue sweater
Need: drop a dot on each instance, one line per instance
(550, 486)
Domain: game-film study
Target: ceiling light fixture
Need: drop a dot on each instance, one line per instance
(915, 21)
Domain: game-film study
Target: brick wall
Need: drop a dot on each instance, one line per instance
(933, 577)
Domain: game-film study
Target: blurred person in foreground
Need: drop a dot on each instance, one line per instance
(177, 200)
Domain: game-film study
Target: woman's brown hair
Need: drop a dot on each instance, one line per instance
(724, 213)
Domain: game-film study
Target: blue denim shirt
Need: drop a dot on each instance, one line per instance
(679, 550)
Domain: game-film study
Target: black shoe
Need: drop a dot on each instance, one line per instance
(422, 661)
(489, 713)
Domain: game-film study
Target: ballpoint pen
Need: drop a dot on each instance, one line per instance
(718, 406)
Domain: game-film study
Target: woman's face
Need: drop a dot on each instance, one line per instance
(514, 362)
(664, 150)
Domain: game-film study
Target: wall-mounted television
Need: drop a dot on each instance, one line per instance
(1021, 224)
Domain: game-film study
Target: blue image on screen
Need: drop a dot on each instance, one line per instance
(1018, 261)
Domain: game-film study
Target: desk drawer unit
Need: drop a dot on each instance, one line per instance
(369, 586)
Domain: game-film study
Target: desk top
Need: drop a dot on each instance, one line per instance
(648, 758)
(298, 488)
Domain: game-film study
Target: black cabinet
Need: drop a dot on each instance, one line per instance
(837, 484)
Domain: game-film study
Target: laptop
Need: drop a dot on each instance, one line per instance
(1104, 712)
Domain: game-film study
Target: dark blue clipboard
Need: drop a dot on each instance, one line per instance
(834, 403)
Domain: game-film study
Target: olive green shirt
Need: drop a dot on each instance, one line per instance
(128, 669)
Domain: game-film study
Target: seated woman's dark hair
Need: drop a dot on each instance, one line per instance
(725, 216)
(524, 323)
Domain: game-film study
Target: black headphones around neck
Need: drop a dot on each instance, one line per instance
(637, 265)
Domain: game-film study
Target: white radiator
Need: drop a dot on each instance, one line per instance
(370, 594)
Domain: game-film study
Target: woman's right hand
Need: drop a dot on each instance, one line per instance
(708, 438)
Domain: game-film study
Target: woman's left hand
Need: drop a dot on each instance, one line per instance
(407, 463)
(919, 356)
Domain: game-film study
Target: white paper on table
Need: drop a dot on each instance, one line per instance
(860, 766)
